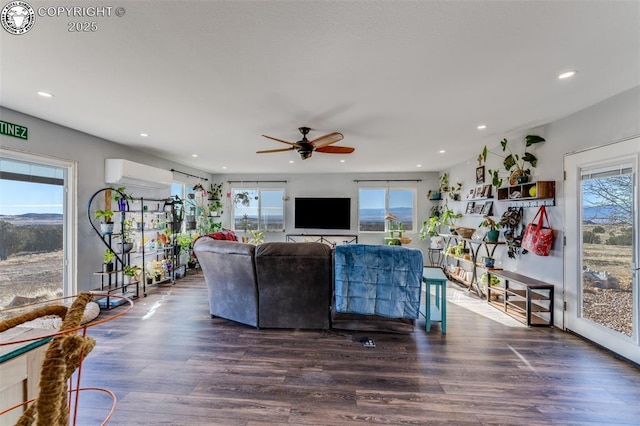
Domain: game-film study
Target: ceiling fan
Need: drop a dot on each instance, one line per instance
(306, 147)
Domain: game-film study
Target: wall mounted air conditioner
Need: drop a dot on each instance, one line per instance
(128, 173)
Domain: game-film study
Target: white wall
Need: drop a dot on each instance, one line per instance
(335, 185)
(611, 120)
(89, 152)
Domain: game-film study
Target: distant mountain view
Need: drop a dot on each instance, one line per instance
(373, 219)
(598, 214)
(33, 219)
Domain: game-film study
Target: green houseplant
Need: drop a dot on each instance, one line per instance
(215, 191)
(120, 196)
(106, 224)
(107, 260)
(518, 166)
(131, 271)
(492, 234)
(431, 228)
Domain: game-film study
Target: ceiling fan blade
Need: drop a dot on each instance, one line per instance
(336, 149)
(327, 139)
(275, 150)
(280, 140)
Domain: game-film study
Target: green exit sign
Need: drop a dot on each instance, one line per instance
(15, 130)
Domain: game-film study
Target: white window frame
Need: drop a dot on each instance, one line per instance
(259, 191)
(414, 221)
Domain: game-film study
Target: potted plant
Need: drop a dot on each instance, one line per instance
(454, 191)
(515, 164)
(448, 218)
(492, 234)
(192, 262)
(495, 281)
(215, 191)
(106, 224)
(131, 271)
(121, 197)
(183, 243)
(242, 198)
(107, 260)
(444, 182)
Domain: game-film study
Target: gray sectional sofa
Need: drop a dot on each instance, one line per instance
(272, 285)
(291, 285)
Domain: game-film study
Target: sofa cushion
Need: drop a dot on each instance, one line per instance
(294, 285)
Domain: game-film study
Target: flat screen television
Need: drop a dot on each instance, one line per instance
(322, 213)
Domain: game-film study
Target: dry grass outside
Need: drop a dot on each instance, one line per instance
(611, 307)
(31, 276)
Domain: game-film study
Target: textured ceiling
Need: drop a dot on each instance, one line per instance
(400, 79)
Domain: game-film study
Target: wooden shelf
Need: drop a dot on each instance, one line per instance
(521, 315)
(525, 301)
(519, 195)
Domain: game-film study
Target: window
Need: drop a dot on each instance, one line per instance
(375, 203)
(258, 209)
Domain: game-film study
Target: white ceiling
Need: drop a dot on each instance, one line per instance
(400, 79)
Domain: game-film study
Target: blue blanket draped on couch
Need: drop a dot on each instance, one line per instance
(378, 280)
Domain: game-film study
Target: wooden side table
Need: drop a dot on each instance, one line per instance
(438, 310)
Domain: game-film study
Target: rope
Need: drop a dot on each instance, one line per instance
(63, 357)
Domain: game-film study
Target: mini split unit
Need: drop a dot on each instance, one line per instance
(128, 173)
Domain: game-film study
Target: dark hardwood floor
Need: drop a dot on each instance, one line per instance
(169, 363)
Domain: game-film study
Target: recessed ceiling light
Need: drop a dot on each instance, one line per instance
(342, 161)
(482, 127)
(194, 155)
(290, 161)
(144, 135)
(567, 74)
(418, 165)
(224, 167)
(442, 151)
(45, 94)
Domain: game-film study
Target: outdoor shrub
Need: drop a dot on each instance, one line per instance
(589, 237)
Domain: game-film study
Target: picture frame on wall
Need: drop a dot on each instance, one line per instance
(486, 191)
(470, 206)
(480, 174)
(478, 192)
(488, 208)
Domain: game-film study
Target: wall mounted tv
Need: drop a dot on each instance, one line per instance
(323, 213)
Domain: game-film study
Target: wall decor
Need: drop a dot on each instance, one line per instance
(470, 206)
(488, 208)
(486, 191)
(480, 174)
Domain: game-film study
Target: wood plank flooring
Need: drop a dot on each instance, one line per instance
(169, 363)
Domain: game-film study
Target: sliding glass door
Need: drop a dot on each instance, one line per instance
(36, 261)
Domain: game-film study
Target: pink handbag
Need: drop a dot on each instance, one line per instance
(538, 238)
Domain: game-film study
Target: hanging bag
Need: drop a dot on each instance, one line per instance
(538, 238)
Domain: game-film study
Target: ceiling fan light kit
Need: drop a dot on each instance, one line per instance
(306, 147)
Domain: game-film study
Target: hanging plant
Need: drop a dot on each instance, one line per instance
(242, 198)
(215, 191)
